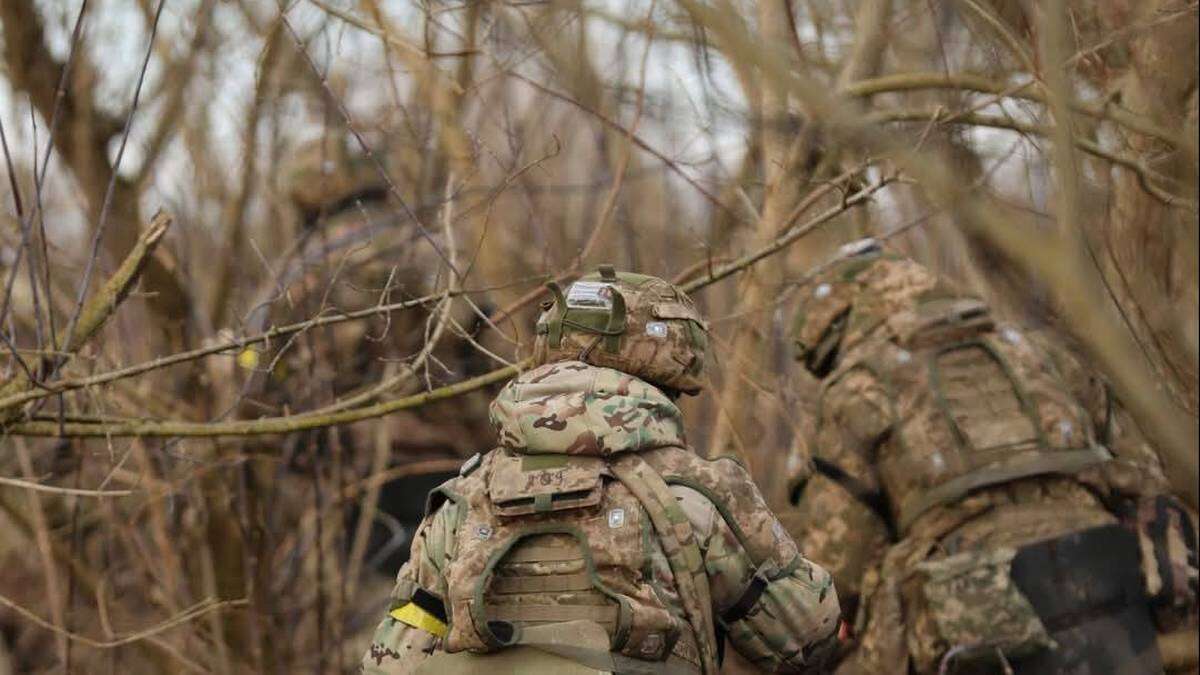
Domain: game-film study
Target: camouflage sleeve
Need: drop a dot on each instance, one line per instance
(398, 647)
(783, 621)
(836, 521)
(857, 416)
(839, 532)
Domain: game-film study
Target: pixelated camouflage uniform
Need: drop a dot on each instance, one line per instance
(920, 492)
(593, 539)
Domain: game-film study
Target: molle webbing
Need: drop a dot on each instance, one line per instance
(1055, 462)
(605, 615)
(507, 585)
(679, 544)
(500, 625)
(981, 399)
(536, 553)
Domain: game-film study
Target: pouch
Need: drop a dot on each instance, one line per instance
(974, 611)
(529, 484)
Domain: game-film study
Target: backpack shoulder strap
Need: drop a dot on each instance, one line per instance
(683, 553)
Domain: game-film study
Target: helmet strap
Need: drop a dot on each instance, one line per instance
(821, 359)
(554, 325)
(616, 323)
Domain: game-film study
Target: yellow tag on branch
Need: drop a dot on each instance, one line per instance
(248, 359)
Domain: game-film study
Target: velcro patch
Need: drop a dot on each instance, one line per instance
(589, 295)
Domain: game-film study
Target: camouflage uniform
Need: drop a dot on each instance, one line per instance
(946, 451)
(593, 539)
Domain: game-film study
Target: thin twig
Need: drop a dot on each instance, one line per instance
(197, 610)
(54, 489)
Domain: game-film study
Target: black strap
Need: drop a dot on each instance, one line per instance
(746, 602)
(430, 603)
(872, 499)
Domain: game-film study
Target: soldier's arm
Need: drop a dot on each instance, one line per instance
(782, 615)
(410, 633)
(840, 518)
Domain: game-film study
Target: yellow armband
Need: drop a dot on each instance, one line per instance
(416, 617)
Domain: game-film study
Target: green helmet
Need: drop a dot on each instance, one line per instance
(859, 289)
(634, 323)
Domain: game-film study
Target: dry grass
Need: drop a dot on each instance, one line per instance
(197, 423)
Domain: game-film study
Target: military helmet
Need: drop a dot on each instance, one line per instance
(634, 323)
(859, 288)
(323, 176)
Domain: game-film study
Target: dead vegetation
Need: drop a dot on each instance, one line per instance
(358, 202)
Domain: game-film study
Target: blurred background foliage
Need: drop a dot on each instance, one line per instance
(220, 469)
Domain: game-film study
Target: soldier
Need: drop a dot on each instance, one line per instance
(593, 540)
(966, 491)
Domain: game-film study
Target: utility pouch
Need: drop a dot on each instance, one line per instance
(528, 484)
(974, 613)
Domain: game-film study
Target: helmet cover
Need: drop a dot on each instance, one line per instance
(635, 323)
(860, 288)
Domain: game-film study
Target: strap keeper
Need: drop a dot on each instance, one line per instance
(616, 323)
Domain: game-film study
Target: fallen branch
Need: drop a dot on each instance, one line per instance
(1146, 177)
(1030, 91)
(743, 263)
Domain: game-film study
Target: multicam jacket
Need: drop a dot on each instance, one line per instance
(593, 512)
(940, 434)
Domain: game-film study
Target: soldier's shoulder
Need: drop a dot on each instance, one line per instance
(453, 490)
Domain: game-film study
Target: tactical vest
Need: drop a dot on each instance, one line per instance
(970, 406)
(548, 539)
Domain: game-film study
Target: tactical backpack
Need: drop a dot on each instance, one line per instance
(972, 407)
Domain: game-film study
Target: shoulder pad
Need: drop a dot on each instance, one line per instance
(727, 484)
(440, 495)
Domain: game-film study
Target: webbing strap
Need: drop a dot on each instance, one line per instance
(679, 543)
(554, 324)
(538, 553)
(749, 598)
(586, 643)
(581, 581)
(523, 613)
(871, 498)
(1054, 461)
